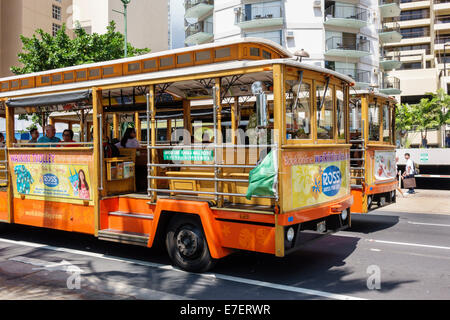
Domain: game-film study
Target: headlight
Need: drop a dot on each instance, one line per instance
(290, 234)
(344, 214)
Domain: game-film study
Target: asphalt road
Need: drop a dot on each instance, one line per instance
(386, 255)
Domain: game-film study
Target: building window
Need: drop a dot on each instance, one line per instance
(269, 35)
(55, 28)
(56, 12)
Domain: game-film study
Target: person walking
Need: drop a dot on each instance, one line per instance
(409, 171)
(398, 172)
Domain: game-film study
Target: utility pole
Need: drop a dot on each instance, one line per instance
(125, 15)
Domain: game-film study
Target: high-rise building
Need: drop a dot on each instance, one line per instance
(148, 23)
(198, 21)
(23, 17)
(346, 35)
(425, 27)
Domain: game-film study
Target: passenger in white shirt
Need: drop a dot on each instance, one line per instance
(409, 170)
(129, 140)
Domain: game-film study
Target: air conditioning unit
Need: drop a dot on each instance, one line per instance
(317, 4)
(290, 34)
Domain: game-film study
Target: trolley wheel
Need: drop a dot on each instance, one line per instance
(369, 202)
(187, 246)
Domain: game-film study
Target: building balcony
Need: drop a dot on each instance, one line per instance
(390, 86)
(351, 48)
(439, 43)
(257, 17)
(361, 77)
(442, 23)
(441, 5)
(415, 4)
(389, 8)
(390, 32)
(198, 33)
(196, 9)
(346, 16)
(390, 61)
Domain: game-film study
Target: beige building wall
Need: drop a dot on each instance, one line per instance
(23, 17)
(147, 20)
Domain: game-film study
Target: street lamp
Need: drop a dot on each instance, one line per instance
(124, 13)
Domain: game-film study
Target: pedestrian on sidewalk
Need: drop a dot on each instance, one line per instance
(398, 175)
(409, 171)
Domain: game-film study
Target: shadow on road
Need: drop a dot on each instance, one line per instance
(368, 223)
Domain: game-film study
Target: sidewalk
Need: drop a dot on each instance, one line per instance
(423, 201)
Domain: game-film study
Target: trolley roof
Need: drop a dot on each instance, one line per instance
(235, 62)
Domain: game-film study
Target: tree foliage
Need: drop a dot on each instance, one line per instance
(43, 52)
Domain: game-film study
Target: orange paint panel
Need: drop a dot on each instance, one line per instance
(244, 216)
(248, 237)
(134, 205)
(211, 227)
(129, 224)
(54, 215)
(106, 206)
(382, 187)
(357, 206)
(3, 205)
(316, 212)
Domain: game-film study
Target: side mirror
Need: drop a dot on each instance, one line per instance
(261, 104)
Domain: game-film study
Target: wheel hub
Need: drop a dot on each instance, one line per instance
(187, 242)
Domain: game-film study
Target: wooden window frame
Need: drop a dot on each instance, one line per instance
(206, 61)
(127, 72)
(312, 111)
(39, 82)
(117, 71)
(233, 54)
(342, 86)
(316, 125)
(81, 79)
(172, 66)
(380, 117)
(100, 73)
(150, 69)
(187, 64)
(70, 80)
(55, 82)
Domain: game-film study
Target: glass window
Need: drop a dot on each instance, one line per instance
(355, 119)
(340, 111)
(325, 119)
(374, 122)
(386, 124)
(298, 110)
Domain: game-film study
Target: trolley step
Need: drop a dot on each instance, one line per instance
(356, 186)
(356, 140)
(356, 159)
(139, 239)
(357, 168)
(131, 215)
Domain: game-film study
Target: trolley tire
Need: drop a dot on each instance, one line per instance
(369, 202)
(186, 244)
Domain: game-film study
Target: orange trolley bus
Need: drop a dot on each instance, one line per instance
(373, 165)
(206, 118)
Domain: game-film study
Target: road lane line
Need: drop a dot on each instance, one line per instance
(409, 244)
(171, 268)
(430, 224)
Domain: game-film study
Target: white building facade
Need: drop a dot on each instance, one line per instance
(347, 35)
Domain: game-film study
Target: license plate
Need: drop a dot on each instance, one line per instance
(321, 226)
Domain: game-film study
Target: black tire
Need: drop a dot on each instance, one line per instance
(369, 202)
(186, 244)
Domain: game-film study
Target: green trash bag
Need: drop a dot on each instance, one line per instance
(263, 179)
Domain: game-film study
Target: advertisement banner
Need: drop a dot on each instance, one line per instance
(384, 166)
(315, 177)
(40, 175)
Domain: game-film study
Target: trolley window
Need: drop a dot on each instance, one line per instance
(325, 115)
(340, 112)
(298, 110)
(374, 122)
(386, 123)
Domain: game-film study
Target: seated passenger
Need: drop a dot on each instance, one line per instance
(68, 138)
(2, 140)
(129, 140)
(34, 133)
(50, 132)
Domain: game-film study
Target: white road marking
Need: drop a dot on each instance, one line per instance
(376, 250)
(409, 244)
(429, 224)
(169, 267)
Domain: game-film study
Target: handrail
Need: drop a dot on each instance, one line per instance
(347, 12)
(5, 162)
(100, 119)
(56, 144)
(215, 166)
